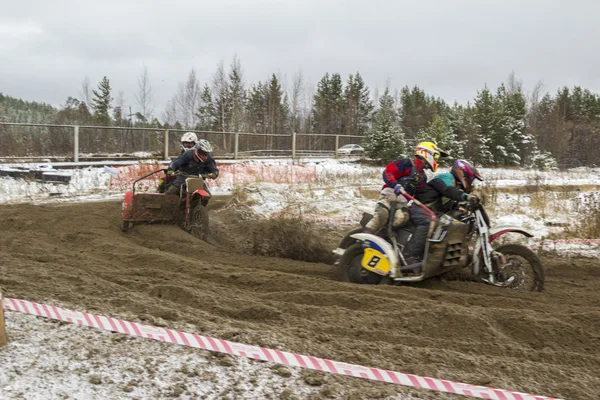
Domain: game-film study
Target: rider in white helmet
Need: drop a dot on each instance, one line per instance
(188, 141)
(198, 161)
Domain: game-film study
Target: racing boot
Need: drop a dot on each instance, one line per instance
(173, 190)
(414, 265)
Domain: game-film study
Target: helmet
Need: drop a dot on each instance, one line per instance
(188, 140)
(204, 145)
(202, 149)
(465, 173)
(429, 152)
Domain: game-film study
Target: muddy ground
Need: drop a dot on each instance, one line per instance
(543, 343)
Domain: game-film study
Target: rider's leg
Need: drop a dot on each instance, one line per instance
(381, 212)
(380, 217)
(416, 245)
(175, 186)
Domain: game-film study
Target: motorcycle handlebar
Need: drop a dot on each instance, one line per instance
(418, 203)
(181, 173)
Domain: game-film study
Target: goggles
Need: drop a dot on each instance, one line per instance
(188, 145)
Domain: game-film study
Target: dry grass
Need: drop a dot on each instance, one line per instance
(288, 236)
(588, 225)
(240, 196)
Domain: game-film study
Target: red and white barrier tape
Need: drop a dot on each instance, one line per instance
(571, 241)
(261, 353)
(227, 207)
(316, 219)
(329, 220)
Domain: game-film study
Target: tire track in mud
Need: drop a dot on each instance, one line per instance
(456, 330)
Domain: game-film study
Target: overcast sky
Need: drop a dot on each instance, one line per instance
(451, 48)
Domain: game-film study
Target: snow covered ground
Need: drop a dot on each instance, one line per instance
(48, 359)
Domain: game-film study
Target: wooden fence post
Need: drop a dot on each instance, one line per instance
(76, 143)
(236, 146)
(3, 340)
(166, 145)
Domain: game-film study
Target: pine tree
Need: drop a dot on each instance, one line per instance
(275, 106)
(463, 127)
(206, 112)
(237, 96)
(485, 124)
(440, 132)
(256, 109)
(358, 106)
(328, 105)
(385, 141)
(417, 110)
(220, 96)
(509, 140)
(101, 102)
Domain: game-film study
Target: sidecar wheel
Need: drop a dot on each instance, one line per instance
(528, 274)
(351, 269)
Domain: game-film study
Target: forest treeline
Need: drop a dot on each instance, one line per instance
(502, 126)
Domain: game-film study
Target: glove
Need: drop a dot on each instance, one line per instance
(472, 199)
(169, 172)
(212, 175)
(398, 190)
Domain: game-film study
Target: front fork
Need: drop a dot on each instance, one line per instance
(491, 258)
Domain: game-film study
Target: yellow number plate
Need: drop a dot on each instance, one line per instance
(375, 261)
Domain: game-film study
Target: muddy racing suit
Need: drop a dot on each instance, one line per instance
(187, 164)
(439, 194)
(406, 173)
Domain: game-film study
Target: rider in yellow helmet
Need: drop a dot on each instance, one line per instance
(403, 173)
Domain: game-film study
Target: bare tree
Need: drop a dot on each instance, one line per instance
(306, 106)
(512, 84)
(192, 98)
(170, 113)
(534, 101)
(85, 91)
(298, 90)
(145, 95)
(186, 101)
(536, 92)
(237, 95)
(122, 140)
(119, 109)
(220, 90)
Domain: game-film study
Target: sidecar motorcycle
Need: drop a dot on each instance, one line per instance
(454, 242)
(188, 208)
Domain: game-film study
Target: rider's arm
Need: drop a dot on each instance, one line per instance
(451, 192)
(181, 160)
(211, 167)
(396, 170)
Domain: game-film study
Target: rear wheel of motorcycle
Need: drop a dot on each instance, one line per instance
(531, 277)
(199, 222)
(351, 269)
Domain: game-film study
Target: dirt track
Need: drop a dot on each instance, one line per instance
(546, 343)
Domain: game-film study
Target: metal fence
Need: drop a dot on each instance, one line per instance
(77, 142)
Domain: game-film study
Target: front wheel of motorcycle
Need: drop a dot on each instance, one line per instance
(199, 222)
(351, 269)
(520, 269)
